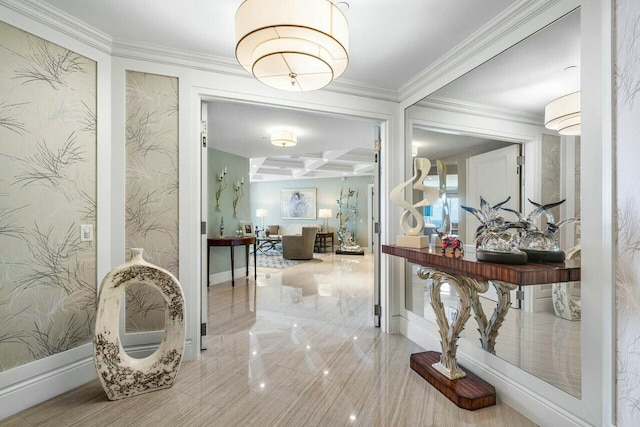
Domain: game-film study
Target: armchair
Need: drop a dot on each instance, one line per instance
(299, 246)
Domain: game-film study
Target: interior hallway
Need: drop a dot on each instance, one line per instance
(297, 348)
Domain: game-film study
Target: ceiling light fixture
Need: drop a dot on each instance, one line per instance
(563, 114)
(292, 45)
(284, 138)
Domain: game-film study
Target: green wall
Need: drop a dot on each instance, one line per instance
(237, 168)
(266, 195)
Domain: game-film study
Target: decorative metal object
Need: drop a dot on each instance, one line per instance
(221, 184)
(541, 246)
(238, 192)
(347, 215)
(120, 374)
(222, 227)
(413, 234)
(493, 242)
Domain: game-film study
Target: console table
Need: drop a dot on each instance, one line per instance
(470, 277)
(232, 242)
(321, 240)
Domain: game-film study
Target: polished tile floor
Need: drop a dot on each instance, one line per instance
(294, 348)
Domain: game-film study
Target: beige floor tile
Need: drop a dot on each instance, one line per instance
(300, 351)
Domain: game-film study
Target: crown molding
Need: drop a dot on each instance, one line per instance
(457, 106)
(352, 87)
(509, 21)
(61, 21)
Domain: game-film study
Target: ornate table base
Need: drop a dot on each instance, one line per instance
(467, 290)
(470, 392)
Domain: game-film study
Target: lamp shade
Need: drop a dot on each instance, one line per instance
(325, 213)
(261, 213)
(284, 138)
(563, 114)
(294, 45)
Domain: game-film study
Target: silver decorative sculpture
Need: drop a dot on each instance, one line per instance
(445, 228)
(120, 374)
(541, 246)
(347, 215)
(413, 236)
(493, 242)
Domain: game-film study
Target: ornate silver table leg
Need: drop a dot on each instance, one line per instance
(449, 334)
(489, 329)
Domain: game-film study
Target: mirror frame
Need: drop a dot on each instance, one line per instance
(531, 396)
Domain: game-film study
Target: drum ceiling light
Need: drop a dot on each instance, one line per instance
(284, 138)
(563, 114)
(294, 45)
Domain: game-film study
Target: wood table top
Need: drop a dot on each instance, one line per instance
(231, 241)
(527, 274)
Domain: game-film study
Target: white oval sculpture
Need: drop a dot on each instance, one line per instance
(421, 167)
(120, 374)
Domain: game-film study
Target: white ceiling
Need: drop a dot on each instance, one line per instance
(390, 42)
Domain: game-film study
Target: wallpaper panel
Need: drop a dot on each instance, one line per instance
(47, 189)
(151, 207)
(628, 207)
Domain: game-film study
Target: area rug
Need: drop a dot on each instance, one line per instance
(275, 260)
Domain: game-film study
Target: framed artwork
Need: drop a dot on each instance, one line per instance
(247, 229)
(298, 203)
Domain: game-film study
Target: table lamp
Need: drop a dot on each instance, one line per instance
(325, 214)
(261, 213)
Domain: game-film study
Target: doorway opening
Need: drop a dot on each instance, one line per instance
(246, 184)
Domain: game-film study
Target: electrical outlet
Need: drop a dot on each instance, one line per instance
(86, 232)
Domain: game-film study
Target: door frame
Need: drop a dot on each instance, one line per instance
(202, 95)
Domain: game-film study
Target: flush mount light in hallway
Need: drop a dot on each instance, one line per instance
(563, 114)
(294, 45)
(284, 138)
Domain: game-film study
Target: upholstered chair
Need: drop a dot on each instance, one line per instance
(273, 230)
(299, 246)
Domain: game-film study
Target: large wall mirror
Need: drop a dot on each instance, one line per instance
(496, 111)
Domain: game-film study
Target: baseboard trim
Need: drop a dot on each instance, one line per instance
(531, 404)
(38, 388)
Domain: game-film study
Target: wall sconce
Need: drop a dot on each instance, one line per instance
(238, 192)
(325, 214)
(261, 213)
(221, 184)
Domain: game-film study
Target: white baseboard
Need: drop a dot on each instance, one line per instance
(535, 406)
(75, 368)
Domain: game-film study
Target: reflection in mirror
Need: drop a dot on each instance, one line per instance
(478, 125)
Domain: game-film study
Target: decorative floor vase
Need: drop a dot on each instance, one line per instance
(121, 375)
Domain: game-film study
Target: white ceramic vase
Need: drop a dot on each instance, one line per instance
(120, 374)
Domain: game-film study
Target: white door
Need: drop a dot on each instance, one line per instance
(204, 275)
(494, 176)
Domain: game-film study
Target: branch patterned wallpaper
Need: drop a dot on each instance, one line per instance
(47, 189)
(151, 207)
(628, 209)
